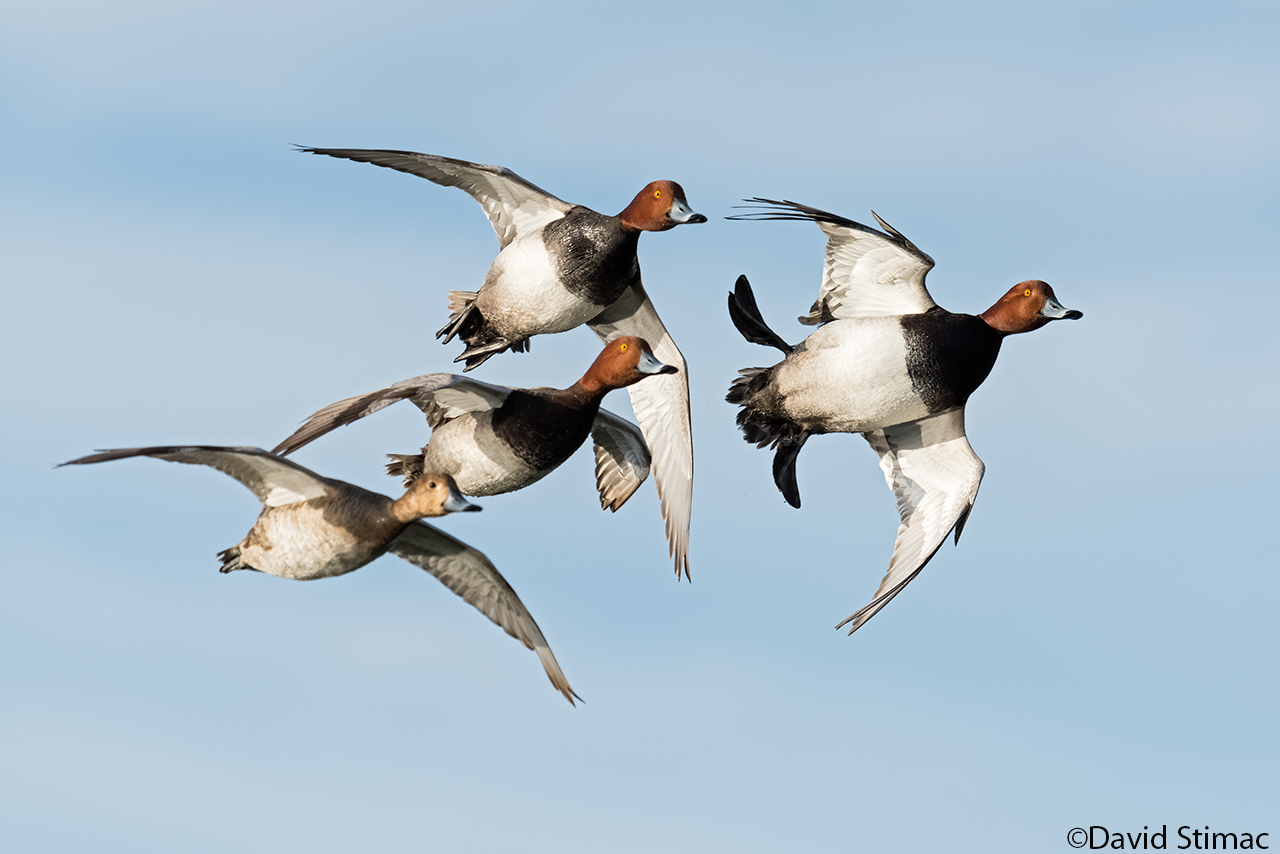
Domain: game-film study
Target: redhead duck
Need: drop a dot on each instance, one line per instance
(494, 439)
(886, 362)
(316, 527)
(561, 265)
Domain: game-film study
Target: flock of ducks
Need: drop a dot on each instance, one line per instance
(885, 361)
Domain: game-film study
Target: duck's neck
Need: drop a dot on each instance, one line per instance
(588, 390)
(628, 228)
(999, 320)
(403, 510)
(632, 218)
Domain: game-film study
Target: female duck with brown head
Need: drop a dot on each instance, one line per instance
(494, 439)
(315, 527)
(562, 265)
(886, 362)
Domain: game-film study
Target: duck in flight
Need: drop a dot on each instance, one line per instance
(494, 439)
(887, 362)
(316, 527)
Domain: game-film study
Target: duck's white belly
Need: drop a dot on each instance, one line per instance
(523, 295)
(297, 541)
(850, 376)
(482, 464)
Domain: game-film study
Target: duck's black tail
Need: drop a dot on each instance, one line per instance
(761, 423)
(751, 391)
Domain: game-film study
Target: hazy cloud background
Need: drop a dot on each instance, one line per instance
(1099, 650)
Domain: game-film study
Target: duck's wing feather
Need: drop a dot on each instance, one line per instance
(661, 404)
(274, 480)
(472, 576)
(439, 396)
(934, 475)
(622, 458)
(513, 205)
(866, 272)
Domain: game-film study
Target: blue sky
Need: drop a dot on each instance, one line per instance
(1099, 650)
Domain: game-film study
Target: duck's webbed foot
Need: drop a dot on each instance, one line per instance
(784, 469)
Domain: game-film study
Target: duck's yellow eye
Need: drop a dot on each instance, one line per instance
(657, 194)
(623, 348)
(1027, 292)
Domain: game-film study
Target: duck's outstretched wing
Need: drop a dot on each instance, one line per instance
(274, 480)
(622, 458)
(866, 272)
(472, 576)
(934, 475)
(661, 404)
(513, 205)
(439, 396)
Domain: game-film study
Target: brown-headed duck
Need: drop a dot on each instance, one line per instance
(315, 527)
(886, 362)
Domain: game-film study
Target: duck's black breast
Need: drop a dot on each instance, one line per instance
(594, 258)
(948, 356)
(543, 427)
